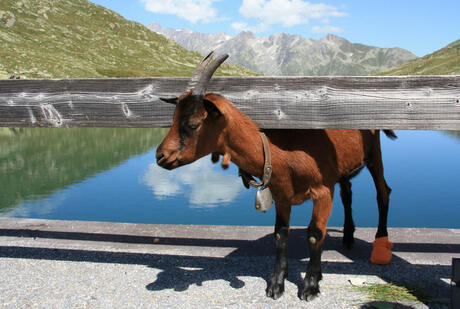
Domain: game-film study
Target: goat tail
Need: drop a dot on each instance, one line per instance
(390, 134)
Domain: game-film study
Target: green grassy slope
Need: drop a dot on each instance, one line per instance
(445, 61)
(78, 39)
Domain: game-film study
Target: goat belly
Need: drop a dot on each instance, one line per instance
(354, 171)
(298, 199)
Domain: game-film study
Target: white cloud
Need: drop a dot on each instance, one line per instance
(242, 26)
(326, 29)
(191, 10)
(40, 208)
(287, 13)
(202, 183)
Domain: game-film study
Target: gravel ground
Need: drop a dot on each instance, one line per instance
(60, 284)
(44, 265)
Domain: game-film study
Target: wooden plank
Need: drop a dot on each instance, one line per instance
(406, 102)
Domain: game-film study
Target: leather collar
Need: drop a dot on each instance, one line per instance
(248, 179)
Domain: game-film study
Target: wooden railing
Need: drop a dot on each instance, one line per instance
(407, 102)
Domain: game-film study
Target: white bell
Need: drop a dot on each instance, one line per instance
(264, 199)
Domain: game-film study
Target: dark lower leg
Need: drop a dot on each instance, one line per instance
(310, 287)
(383, 196)
(382, 201)
(349, 225)
(322, 205)
(276, 285)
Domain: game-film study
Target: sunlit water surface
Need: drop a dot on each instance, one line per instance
(111, 175)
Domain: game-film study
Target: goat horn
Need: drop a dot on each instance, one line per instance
(205, 77)
(199, 70)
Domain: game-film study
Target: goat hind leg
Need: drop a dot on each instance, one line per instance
(381, 252)
(322, 206)
(348, 226)
(276, 285)
(383, 191)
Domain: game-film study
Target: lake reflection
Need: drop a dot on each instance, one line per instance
(111, 175)
(200, 183)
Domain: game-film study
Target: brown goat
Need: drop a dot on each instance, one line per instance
(306, 165)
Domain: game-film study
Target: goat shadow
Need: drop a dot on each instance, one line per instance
(256, 258)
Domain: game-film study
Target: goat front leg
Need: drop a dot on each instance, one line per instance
(322, 205)
(276, 285)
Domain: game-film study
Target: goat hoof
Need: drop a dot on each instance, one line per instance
(275, 290)
(310, 288)
(309, 294)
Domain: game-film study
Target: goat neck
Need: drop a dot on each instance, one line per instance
(244, 144)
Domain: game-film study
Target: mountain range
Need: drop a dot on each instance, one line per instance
(79, 39)
(445, 61)
(76, 38)
(286, 54)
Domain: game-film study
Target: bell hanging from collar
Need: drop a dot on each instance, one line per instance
(264, 199)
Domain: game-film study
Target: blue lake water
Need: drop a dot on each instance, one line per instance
(111, 175)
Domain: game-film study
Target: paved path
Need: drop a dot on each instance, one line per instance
(74, 264)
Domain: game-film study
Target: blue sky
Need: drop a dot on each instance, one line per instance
(419, 26)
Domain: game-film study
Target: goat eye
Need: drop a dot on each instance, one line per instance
(193, 126)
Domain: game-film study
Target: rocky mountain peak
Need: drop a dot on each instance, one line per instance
(332, 37)
(246, 35)
(288, 54)
(155, 27)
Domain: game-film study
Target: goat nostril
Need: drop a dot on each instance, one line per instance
(160, 158)
(159, 154)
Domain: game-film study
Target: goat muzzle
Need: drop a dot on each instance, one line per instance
(167, 161)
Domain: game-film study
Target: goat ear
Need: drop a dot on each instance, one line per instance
(211, 108)
(170, 100)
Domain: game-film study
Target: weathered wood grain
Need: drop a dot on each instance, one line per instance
(407, 102)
